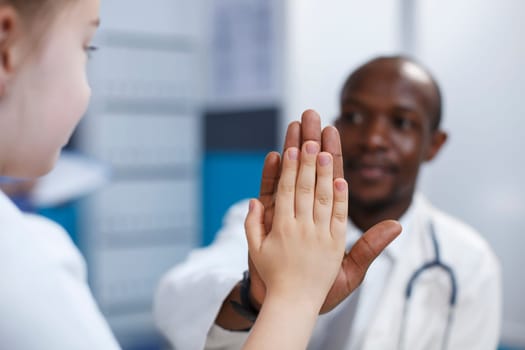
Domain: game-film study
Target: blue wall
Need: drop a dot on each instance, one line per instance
(228, 177)
(236, 143)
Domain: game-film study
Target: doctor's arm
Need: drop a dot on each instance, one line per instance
(190, 295)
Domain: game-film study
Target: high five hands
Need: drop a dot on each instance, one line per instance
(308, 183)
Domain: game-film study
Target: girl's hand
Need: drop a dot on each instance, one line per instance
(301, 256)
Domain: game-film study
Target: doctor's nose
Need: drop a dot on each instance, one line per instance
(374, 135)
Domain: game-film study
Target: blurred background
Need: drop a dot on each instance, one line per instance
(189, 95)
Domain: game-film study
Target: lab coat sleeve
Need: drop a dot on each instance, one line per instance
(478, 315)
(190, 295)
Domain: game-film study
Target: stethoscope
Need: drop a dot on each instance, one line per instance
(435, 263)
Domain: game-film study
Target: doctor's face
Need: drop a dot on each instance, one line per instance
(386, 127)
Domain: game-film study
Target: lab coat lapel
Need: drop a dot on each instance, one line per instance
(384, 329)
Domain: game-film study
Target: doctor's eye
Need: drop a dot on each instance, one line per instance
(402, 122)
(353, 118)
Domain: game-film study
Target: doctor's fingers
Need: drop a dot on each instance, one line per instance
(293, 136)
(272, 172)
(366, 249)
(285, 196)
(269, 179)
(310, 127)
(332, 144)
(305, 187)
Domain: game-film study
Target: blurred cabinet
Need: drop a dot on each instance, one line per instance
(243, 101)
(145, 123)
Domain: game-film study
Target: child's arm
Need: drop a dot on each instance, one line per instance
(300, 257)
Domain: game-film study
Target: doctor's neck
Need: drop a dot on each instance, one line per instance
(365, 214)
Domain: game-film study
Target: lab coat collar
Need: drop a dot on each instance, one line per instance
(395, 249)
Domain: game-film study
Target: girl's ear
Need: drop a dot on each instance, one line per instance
(439, 138)
(9, 23)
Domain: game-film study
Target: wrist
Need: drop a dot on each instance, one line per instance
(296, 306)
(296, 298)
(228, 318)
(246, 307)
(297, 293)
(254, 300)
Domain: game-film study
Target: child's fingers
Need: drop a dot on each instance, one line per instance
(324, 191)
(305, 187)
(340, 209)
(285, 197)
(254, 226)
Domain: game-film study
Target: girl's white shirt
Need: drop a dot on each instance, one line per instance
(45, 302)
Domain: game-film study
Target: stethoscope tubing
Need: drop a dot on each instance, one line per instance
(435, 263)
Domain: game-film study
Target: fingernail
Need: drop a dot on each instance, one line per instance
(340, 185)
(252, 204)
(324, 159)
(293, 153)
(312, 148)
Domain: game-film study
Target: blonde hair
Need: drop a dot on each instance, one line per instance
(31, 10)
(37, 15)
(29, 7)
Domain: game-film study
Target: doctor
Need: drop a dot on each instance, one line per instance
(438, 286)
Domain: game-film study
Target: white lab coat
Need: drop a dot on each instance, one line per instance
(45, 302)
(190, 295)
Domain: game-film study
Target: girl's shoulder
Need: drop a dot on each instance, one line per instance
(27, 240)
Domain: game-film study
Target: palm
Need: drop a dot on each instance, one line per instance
(356, 262)
(339, 291)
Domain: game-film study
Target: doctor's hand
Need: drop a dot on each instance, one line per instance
(364, 251)
(298, 133)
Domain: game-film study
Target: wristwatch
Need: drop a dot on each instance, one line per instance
(245, 308)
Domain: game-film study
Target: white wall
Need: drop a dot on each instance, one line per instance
(477, 51)
(325, 41)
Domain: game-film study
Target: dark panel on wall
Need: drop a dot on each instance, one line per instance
(251, 130)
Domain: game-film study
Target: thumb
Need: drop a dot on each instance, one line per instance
(366, 249)
(254, 225)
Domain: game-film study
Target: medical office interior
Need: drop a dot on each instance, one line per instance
(189, 95)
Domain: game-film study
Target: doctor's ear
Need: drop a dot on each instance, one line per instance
(439, 137)
(9, 32)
